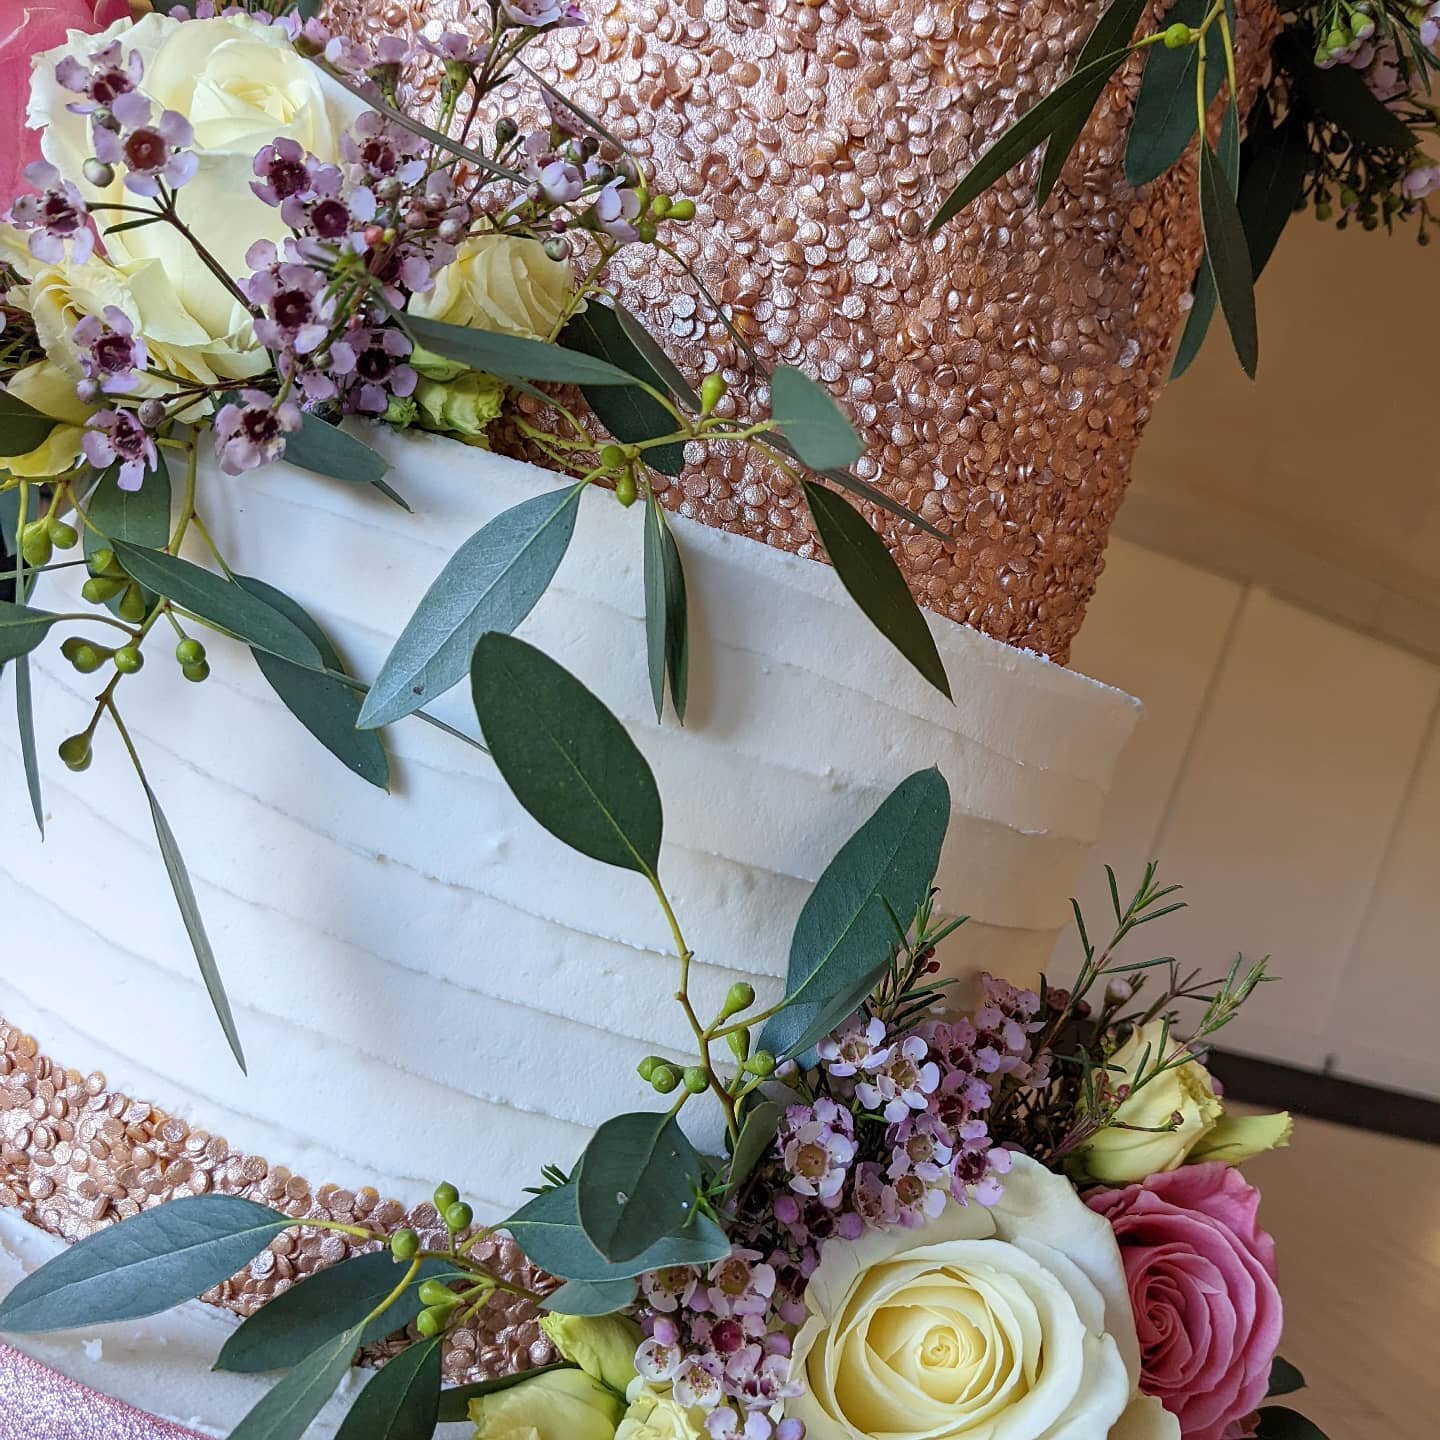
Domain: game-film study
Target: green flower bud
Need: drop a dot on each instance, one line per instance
(761, 1063)
(1323, 210)
(458, 1216)
(88, 658)
(740, 996)
(682, 210)
(132, 604)
(190, 652)
(400, 411)
(612, 457)
(62, 535)
(103, 562)
(75, 751)
(100, 588)
(197, 673)
(660, 206)
(129, 659)
(625, 491)
(697, 1081)
(712, 391)
(431, 1322)
(404, 1244)
(35, 544)
(646, 1068)
(445, 1196)
(664, 1078)
(1177, 36)
(645, 229)
(437, 1294)
(98, 173)
(463, 405)
(739, 1043)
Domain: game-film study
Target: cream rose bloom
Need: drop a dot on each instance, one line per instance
(1002, 1322)
(500, 282)
(241, 85)
(48, 389)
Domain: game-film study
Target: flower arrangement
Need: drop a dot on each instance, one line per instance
(1024, 1220)
(235, 243)
(1337, 130)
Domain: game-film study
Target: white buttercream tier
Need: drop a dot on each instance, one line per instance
(427, 984)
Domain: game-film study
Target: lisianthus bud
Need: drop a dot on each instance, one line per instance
(559, 1405)
(603, 1346)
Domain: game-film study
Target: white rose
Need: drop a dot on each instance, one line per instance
(500, 282)
(1002, 1322)
(241, 85)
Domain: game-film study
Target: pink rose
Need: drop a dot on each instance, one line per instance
(26, 28)
(1201, 1275)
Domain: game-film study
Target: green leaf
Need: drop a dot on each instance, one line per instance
(669, 373)
(285, 1412)
(1166, 119)
(455, 1403)
(667, 631)
(1278, 1423)
(1061, 107)
(222, 602)
(1229, 258)
(194, 924)
(25, 719)
(328, 708)
(1277, 161)
(567, 759)
(1340, 94)
(756, 1137)
(402, 1402)
(149, 1263)
(1113, 31)
(1227, 148)
(491, 583)
(9, 520)
(1197, 322)
(630, 415)
(22, 428)
(326, 449)
(548, 1231)
(512, 357)
(845, 929)
(298, 1320)
(637, 1184)
(812, 422)
(140, 516)
(873, 580)
(1285, 1379)
(22, 628)
(590, 1297)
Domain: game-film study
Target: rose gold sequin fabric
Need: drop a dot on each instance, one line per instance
(76, 1155)
(1002, 371)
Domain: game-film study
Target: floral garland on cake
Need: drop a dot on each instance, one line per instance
(1023, 1219)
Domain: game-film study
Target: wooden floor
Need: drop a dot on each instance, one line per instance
(1356, 1220)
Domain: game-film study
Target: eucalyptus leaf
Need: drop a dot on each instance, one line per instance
(548, 1231)
(22, 428)
(22, 628)
(757, 1135)
(812, 422)
(326, 449)
(491, 583)
(141, 1266)
(1166, 117)
(286, 1411)
(630, 415)
(873, 580)
(670, 376)
(25, 720)
(1197, 321)
(567, 759)
(513, 357)
(220, 601)
(194, 923)
(455, 1402)
(1279, 1423)
(9, 521)
(1285, 1379)
(1113, 31)
(845, 929)
(637, 1184)
(328, 708)
(1277, 161)
(140, 516)
(1229, 258)
(667, 623)
(1069, 101)
(590, 1297)
(298, 1320)
(402, 1402)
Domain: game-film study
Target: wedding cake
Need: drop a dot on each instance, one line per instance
(427, 984)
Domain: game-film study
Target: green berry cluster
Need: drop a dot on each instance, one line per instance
(41, 538)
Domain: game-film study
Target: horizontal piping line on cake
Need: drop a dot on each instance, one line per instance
(838, 604)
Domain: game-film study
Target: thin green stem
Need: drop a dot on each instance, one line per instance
(396, 1293)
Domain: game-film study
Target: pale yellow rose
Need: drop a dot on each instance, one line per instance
(48, 389)
(560, 1405)
(241, 85)
(603, 1346)
(1118, 1155)
(500, 282)
(1003, 1322)
(655, 1414)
